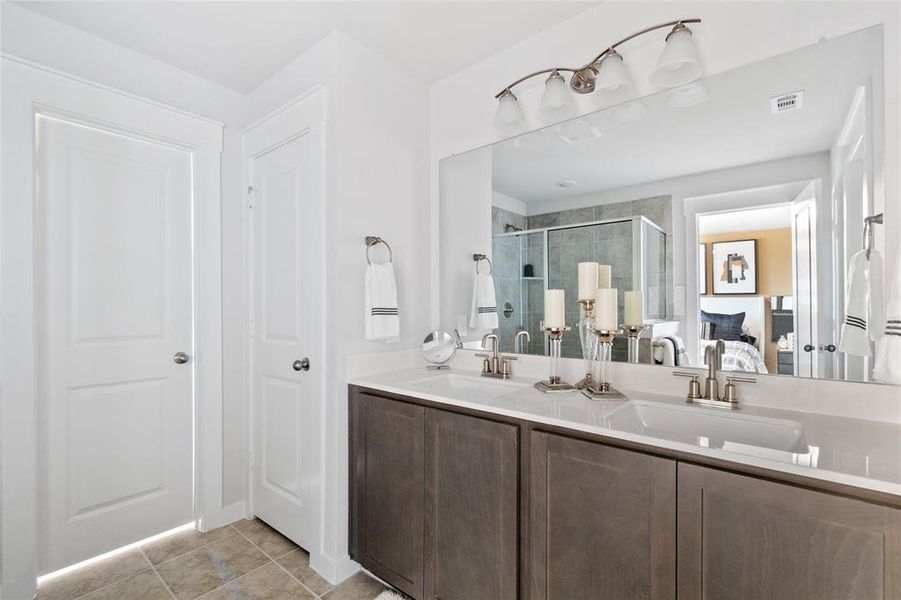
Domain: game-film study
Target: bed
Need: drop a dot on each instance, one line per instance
(745, 346)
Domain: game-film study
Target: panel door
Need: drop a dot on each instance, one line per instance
(742, 538)
(804, 272)
(287, 329)
(387, 490)
(115, 306)
(603, 522)
(472, 507)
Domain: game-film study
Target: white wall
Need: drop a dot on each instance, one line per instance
(732, 34)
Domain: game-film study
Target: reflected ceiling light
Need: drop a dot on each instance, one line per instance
(607, 72)
(614, 83)
(508, 118)
(566, 183)
(557, 101)
(687, 95)
(678, 63)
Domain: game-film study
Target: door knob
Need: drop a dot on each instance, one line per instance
(808, 348)
(180, 358)
(302, 365)
(829, 348)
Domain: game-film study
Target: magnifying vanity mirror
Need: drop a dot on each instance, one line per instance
(438, 348)
(734, 205)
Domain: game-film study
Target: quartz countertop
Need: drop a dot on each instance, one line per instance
(854, 452)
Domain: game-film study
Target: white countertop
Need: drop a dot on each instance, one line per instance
(856, 452)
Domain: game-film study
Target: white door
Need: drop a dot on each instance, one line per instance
(804, 269)
(115, 307)
(288, 263)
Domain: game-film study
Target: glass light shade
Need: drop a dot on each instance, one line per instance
(508, 118)
(614, 83)
(557, 101)
(687, 95)
(678, 63)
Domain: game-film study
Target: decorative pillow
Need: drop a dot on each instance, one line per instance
(727, 327)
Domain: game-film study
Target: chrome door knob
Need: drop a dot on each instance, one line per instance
(181, 358)
(302, 365)
(829, 348)
(808, 348)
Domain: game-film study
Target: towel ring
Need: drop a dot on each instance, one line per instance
(478, 258)
(371, 241)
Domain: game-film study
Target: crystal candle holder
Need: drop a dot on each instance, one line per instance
(554, 382)
(601, 387)
(589, 342)
(634, 332)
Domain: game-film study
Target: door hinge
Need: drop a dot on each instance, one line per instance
(250, 462)
(249, 196)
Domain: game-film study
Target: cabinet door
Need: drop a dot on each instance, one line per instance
(387, 489)
(742, 538)
(603, 522)
(472, 498)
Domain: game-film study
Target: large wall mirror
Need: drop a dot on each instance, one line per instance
(735, 205)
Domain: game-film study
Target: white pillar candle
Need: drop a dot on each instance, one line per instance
(588, 280)
(554, 311)
(605, 309)
(633, 309)
(605, 276)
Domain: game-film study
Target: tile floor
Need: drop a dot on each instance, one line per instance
(247, 560)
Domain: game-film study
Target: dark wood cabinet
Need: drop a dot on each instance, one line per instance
(455, 504)
(387, 509)
(603, 521)
(472, 515)
(742, 538)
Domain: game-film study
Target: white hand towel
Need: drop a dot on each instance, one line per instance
(857, 331)
(382, 320)
(888, 349)
(483, 312)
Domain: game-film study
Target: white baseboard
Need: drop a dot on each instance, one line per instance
(334, 570)
(228, 514)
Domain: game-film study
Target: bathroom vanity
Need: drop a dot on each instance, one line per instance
(466, 488)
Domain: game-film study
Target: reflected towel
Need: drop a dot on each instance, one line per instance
(888, 349)
(483, 311)
(864, 315)
(382, 320)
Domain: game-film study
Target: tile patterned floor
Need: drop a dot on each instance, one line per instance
(247, 560)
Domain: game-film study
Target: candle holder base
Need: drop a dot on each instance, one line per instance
(549, 387)
(585, 382)
(603, 392)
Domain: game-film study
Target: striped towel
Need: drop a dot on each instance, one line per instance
(382, 320)
(888, 349)
(864, 316)
(483, 312)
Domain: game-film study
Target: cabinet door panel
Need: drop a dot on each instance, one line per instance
(471, 507)
(602, 521)
(743, 538)
(387, 490)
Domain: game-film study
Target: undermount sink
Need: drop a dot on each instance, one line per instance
(745, 434)
(456, 384)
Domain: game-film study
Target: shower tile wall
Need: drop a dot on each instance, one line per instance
(607, 244)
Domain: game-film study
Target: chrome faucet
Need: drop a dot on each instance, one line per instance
(713, 356)
(518, 343)
(494, 364)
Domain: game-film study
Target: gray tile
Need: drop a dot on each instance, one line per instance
(269, 582)
(359, 587)
(94, 576)
(211, 566)
(182, 542)
(267, 539)
(146, 585)
(575, 215)
(612, 211)
(543, 220)
(298, 564)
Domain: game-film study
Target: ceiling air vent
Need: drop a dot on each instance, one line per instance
(786, 102)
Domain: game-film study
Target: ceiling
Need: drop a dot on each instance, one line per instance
(241, 44)
(733, 127)
(754, 219)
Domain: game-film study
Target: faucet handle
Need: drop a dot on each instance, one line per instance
(694, 386)
(729, 390)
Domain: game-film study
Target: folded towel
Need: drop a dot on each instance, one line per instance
(680, 355)
(888, 349)
(864, 316)
(483, 313)
(382, 320)
(665, 352)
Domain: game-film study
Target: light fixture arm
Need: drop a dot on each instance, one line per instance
(600, 56)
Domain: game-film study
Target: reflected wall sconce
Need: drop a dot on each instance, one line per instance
(606, 74)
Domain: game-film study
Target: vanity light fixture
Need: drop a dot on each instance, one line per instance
(607, 74)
